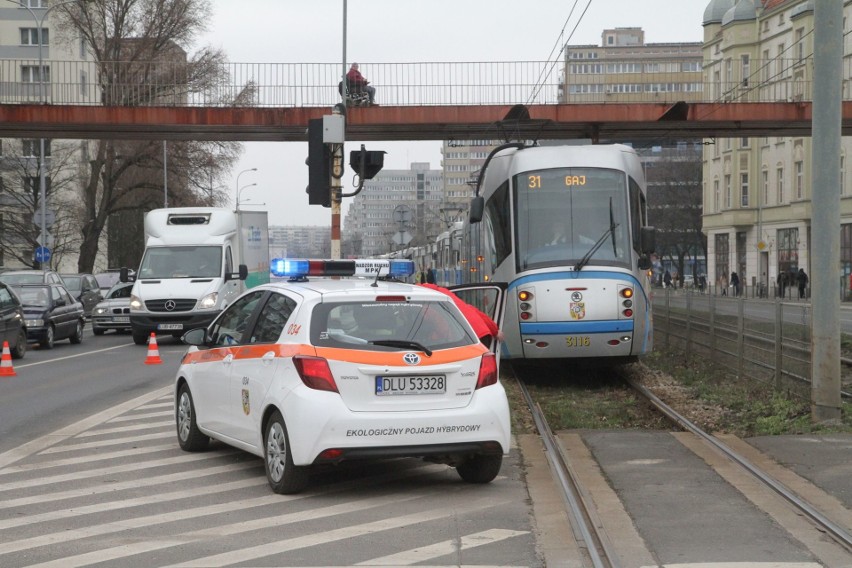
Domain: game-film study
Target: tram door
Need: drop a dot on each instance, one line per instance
(489, 298)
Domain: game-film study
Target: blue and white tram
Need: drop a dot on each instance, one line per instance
(566, 228)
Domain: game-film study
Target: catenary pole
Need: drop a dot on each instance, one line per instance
(825, 219)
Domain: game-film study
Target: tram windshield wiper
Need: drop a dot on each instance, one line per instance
(610, 231)
(402, 344)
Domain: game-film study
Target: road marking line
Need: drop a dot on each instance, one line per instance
(133, 484)
(87, 459)
(168, 404)
(34, 446)
(122, 429)
(422, 554)
(132, 417)
(94, 445)
(35, 363)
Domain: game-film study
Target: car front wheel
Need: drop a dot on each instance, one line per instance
(190, 438)
(20, 346)
(98, 330)
(283, 476)
(140, 338)
(49, 338)
(480, 468)
(77, 337)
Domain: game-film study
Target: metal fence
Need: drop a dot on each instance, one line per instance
(767, 340)
(176, 83)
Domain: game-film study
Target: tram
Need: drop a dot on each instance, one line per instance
(566, 227)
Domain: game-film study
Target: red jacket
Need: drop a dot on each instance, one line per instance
(480, 322)
(355, 78)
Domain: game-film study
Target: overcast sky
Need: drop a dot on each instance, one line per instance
(407, 31)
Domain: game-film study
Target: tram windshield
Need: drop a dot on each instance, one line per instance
(563, 212)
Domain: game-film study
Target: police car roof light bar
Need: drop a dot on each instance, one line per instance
(301, 268)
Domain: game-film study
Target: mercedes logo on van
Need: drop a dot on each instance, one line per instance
(170, 305)
(411, 358)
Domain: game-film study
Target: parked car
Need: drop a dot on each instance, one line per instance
(106, 280)
(85, 289)
(114, 311)
(12, 327)
(50, 313)
(15, 277)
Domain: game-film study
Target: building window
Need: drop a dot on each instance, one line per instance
(788, 250)
(722, 259)
(728, 199)
(842, 175)
(29, 36)
(800, 45)
(30, 74)
(35, 3)
(765, 176)
(717, 198)
(746, 65)
(779, 185)
(800, 179)
(846, 250)
(84, 83)
(743, 190)
(32, 148)
(765, 67)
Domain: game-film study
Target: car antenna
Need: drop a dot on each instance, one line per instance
(375, 283)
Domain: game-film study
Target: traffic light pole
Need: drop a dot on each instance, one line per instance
(336, 199)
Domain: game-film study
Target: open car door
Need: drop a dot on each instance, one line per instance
(490, 298)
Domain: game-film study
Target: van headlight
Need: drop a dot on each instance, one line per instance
(208, 301)
(135, 303)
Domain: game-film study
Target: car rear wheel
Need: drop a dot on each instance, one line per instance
(20, 346)
(190, 438)
(283, 476)
(480, 468)
(77, 337)
(49, 338)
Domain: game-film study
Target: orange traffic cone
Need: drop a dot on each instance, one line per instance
(6, 368)
(153, 357)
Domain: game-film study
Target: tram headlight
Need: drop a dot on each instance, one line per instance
(525, 306)
(627, 303)
(627, 292)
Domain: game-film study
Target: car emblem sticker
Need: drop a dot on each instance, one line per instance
(246, 402)
(576, 296)
(411, 358)
(170, 305)
(578, 310)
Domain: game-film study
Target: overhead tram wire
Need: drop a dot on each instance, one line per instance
(542, 76)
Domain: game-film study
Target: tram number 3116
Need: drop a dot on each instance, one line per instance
(534, 181)
(578, 341)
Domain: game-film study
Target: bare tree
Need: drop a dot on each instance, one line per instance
(21, 200)
(675, 207)
(139, 49)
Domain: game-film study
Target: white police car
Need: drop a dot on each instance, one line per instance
(317, 370)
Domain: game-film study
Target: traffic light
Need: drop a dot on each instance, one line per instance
(319, 166)
(366, 163)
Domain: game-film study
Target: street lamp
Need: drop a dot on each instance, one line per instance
(241, 192)
(238, 185)
(42, 183)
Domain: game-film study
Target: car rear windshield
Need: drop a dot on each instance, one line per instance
(34, 296)
(73, 283)
(23, 278)
(353, 325)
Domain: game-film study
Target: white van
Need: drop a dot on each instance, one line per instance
(197, 261)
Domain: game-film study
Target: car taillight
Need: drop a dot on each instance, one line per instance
(315, 373)
(487, 371)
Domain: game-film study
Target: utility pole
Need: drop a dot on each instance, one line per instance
(825, 219)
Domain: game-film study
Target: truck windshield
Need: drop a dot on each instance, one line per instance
(182, 262)
(563, 212)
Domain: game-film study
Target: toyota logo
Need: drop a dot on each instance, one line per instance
(411, 358)
(170, 305)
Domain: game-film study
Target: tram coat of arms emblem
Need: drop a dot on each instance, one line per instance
(578, 310)
(246, 402)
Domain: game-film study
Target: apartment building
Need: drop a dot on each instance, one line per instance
(757, 191)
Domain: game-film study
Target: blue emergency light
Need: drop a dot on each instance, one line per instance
(302, 268)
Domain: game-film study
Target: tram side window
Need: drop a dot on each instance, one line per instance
(636, 203)
(498, 225)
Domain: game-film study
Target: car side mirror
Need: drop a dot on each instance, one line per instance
(198, 337)
(241, 275)
(477, 208)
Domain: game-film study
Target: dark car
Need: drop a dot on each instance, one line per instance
(50, 313)
(114, 311)
(85, 289)
(12, 328)
(16, 277)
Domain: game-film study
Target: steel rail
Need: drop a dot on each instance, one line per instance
(583, 518)
(834, 530)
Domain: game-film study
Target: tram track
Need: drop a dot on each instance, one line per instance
(589, 531)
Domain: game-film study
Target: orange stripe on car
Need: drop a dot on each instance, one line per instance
(365, 357)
